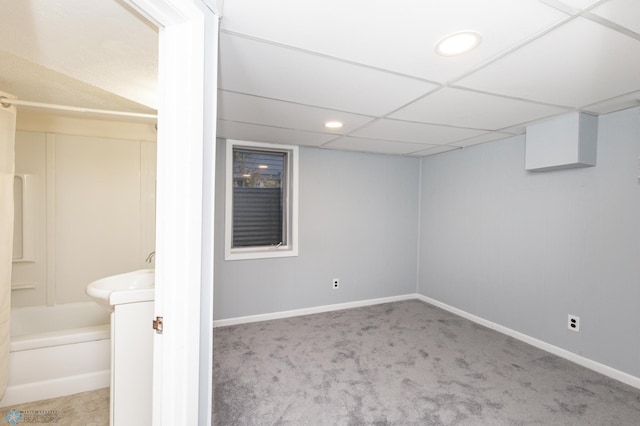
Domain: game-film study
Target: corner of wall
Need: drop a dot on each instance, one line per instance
(418, 225)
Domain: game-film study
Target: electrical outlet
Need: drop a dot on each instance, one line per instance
(574, 323)
(336, 283)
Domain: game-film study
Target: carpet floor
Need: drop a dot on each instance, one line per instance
(402, 363)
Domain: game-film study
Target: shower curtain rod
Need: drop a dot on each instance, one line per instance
(6, 103)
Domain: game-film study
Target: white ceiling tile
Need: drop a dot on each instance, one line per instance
(398, 36)
(406, 131)
(434, 150)
(269, 112)
(374, 145)
(463, 108)
(579, 4)
(623, 12)
(621, 102)
(487, 137)
(263, 69)
(577, 64)
(257, 133)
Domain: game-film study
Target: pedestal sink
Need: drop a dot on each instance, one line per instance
(130, 287)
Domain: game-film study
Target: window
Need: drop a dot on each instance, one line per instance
(261, 200)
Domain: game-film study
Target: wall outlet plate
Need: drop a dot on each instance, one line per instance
(336, 283)
(573, 323)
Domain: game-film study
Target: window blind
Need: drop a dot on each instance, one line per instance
(258, 198)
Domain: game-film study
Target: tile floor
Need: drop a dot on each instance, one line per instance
(82, 409)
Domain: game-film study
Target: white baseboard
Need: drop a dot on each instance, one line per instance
(563, 353)
(308, 311)
(38, 391)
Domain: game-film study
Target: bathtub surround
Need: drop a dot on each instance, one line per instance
(405, 362)
(95, 181)
(7, 167)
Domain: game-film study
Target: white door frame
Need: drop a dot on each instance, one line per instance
(187, 67)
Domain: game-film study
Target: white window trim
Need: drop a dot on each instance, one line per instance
(291, 248)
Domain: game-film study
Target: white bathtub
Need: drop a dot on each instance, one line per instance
(57, 351)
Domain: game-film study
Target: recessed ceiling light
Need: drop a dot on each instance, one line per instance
(263, 166)
(246, 175)
(458, 43)
(333, 124)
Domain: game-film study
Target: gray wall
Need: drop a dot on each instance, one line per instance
(357, 222)
(525, 249)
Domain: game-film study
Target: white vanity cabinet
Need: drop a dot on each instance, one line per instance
(131, 363)
(130, 298)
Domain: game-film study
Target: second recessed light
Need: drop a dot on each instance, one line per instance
(458, 43)
(333, 124)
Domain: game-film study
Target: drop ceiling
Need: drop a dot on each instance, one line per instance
(287, 66)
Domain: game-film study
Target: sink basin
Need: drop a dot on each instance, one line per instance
(130, 287)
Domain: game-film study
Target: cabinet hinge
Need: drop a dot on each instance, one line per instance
(157, 325)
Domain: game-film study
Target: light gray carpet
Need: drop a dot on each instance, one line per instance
(404, 363)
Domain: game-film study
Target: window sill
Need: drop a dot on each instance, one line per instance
(260, 253)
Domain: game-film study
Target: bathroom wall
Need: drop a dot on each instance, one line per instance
(94, 201)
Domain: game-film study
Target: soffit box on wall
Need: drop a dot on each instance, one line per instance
(564, 142)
